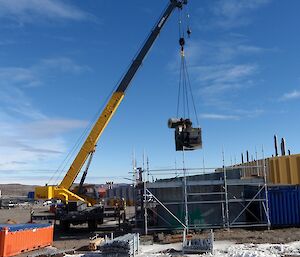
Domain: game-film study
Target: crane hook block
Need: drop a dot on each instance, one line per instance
(187, 138)
(181, 41)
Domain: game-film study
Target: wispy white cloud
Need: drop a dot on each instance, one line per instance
(223, 50)
(18, 75)
(13, 99)
(13, 81)
(29, 143)
(216, 64)
(221, 69)
(224, 73)
(295, 94)
(64, 65)
(217, 72)
(234, 13)
(236, 114)
(50, 127)
(250, 113)
(28, 136)
(217, 79)
(34, 178)
(31, 76)
(27, 11)
(224, 68)
(214, 116)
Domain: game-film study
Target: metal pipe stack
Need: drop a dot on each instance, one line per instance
(199, 245)
(127, 245)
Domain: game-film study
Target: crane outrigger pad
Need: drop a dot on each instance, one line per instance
(187, 138)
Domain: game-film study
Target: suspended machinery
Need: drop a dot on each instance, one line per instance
(187, 137)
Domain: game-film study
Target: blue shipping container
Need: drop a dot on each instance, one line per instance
(284, 206)
(19, 227)
(30, 195)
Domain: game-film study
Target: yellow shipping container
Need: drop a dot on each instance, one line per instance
(284, 170)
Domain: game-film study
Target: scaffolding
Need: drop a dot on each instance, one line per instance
(237, 201)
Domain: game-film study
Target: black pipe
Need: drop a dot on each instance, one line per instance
(275, 145)
(282, 146)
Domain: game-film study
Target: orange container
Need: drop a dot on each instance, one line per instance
(16, 239)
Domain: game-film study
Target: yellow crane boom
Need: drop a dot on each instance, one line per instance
(62, 191)
(91, 140)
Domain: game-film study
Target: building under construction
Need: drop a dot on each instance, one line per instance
(251, 194)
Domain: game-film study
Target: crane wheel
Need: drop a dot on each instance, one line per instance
(64, 225)
(92, 225)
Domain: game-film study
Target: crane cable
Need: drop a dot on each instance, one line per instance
(185, 91)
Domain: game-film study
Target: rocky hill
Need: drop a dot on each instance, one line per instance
(16, 189)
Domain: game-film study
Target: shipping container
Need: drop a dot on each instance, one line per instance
(125, 192)
(280, 170)
(18, 238)
(284, 169)
(30, 195)
(284, 206)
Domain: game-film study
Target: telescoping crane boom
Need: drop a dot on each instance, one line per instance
(62, 191)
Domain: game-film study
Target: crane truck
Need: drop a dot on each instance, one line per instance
(78, 208)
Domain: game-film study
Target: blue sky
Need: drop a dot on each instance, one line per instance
(60, 59)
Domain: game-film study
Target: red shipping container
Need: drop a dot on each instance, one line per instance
(16, 239)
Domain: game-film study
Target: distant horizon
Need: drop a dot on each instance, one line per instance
(153, 176)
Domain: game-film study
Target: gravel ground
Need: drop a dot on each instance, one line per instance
(79, 237)
(18, 214)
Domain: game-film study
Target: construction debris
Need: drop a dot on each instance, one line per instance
(170, 239)
(95, 242)
(11, 222)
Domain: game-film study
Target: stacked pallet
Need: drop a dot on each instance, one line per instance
(127, 245)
